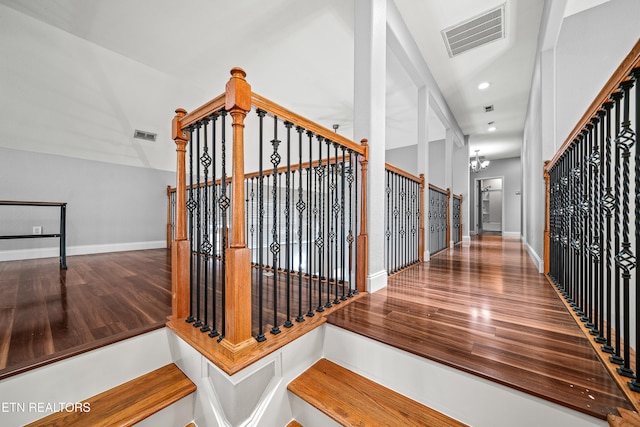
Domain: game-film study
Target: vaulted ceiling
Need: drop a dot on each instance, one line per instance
(300, 54)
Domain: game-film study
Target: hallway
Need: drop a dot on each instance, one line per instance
(484, 309)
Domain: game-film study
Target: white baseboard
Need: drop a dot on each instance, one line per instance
(377, 281)
(20, 254)
(537, 261)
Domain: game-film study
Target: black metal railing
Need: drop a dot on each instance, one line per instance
(302, 219)
(404, 195)
(438, 219)
(208, 220)
(302, 213)
(456, 218)
(594, 222)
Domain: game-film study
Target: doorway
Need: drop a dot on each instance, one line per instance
(489, 206)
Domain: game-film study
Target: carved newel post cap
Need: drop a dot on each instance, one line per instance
(238, 72)
(238, 92)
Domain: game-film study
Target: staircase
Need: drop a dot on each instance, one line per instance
(128, 403)
(353, 400)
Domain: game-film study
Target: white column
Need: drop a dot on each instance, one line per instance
(423, 159)
(369, 121)
(448, 175)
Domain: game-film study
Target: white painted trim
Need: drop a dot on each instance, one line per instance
(466, 239)
(20, 254)
(511, 234)
(377, 281)
(537, 261)
(84, 375)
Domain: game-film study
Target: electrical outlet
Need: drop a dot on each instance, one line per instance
(37, 229)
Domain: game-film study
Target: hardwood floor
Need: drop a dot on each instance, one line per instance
(484, 309)
(47, 313)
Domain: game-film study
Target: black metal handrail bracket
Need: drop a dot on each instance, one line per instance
(61, 234)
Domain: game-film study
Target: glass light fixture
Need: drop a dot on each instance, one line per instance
(478, 164)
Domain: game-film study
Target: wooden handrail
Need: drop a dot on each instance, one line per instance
(395, 169)
(288, 116)
(631, 61)
(438, 189)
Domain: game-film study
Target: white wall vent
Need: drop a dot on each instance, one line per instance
(475, 32)
(147, 136)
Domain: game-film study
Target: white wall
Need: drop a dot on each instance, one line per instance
(437, 168)
(405, 158)
(588, 48)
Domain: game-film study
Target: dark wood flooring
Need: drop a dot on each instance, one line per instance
(47, 313)
(486, 310)
(481, 308)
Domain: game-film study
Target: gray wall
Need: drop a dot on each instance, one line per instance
(405, 158)
(110, 207)
(509, 169)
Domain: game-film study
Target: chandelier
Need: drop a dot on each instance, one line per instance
(478, 164)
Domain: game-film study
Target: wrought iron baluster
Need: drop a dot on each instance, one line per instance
(287, 218)
(311, 193)
(635, 73)
(319, 243)
(625, 259)
(301, 207)
(260, 337)
(607, 202)
(191, 205)
(224, 203)
(329, 224)
(205, 159)
(213, 118)
(336, 215)
(350, 238)
(343, 167)
(275, 243)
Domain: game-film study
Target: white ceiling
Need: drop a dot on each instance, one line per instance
(300, 54)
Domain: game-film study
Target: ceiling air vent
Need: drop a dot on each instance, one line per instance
(488, 108)
(147, 136)
(474, 32)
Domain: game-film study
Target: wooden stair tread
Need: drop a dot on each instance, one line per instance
(627, 418)
(353, 400)
(128, 403)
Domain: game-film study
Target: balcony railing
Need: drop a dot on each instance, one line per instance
(260, 251)
(404, 219)
(593, 221)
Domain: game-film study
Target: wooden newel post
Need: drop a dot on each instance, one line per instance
(362, 263)
(547, 243)
(238, 256)
(180, 249)
(421, 221)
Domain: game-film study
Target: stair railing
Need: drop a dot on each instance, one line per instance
(256, 251)
(592, 230)
(404, 219)
(456, 216)
(439, 218)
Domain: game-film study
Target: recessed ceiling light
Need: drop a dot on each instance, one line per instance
(492, 129)
(484, 85)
